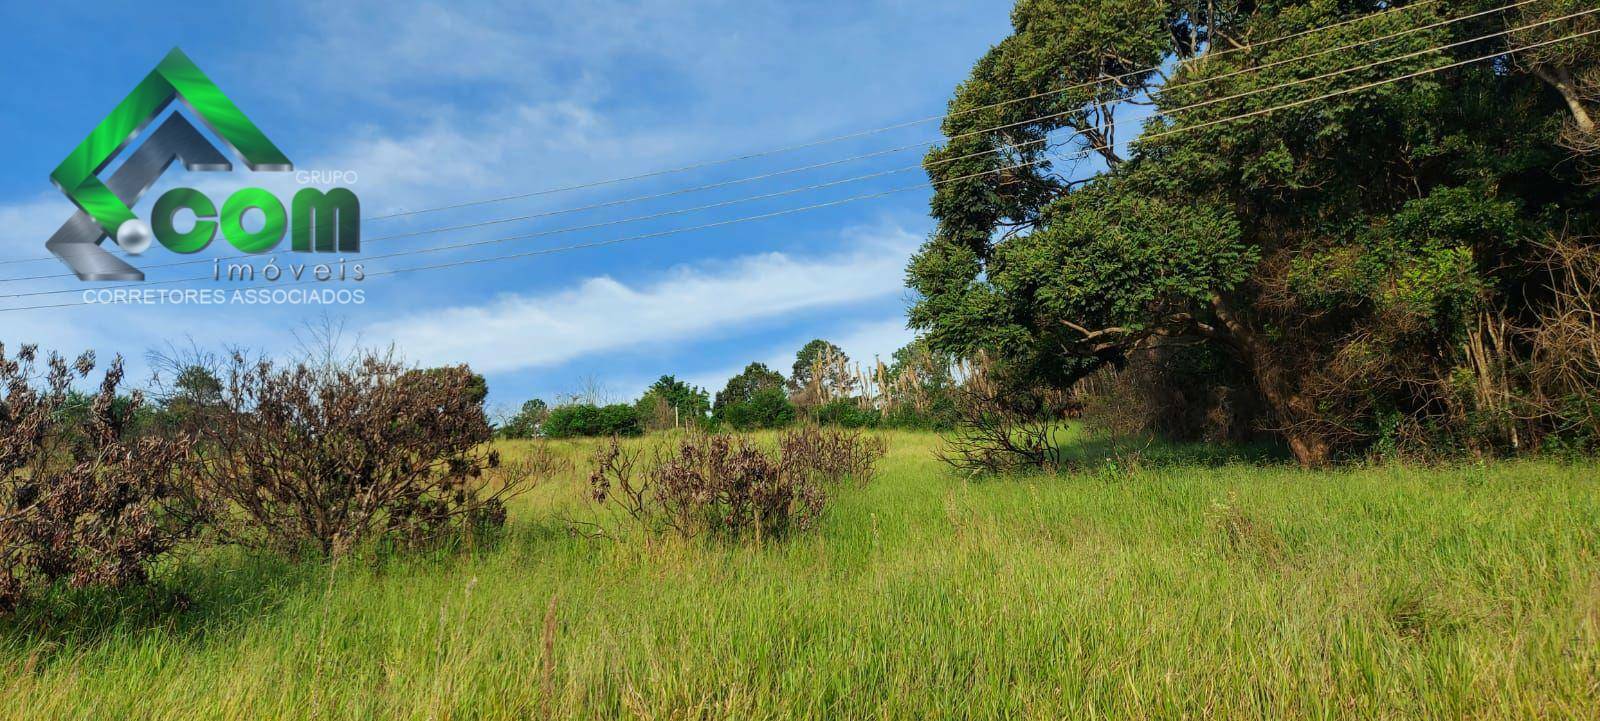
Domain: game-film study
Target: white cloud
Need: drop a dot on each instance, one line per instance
(26, 225)
(604, 315)
(434, 103)
(875, 340)
(862, 342)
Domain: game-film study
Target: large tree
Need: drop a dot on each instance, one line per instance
(670, 403)
(820, 372)
(1340, 251)
(754, 379)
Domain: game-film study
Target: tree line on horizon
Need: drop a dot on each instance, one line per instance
(823, 386)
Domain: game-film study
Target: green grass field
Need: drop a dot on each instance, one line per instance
(1199, 590)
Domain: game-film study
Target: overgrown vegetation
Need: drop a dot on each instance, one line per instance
(82, 500)
(671, 403)
(326, 457)
(1235, 591)
(753, 399)
(1355, 267)
(323, 454)
(585, 419)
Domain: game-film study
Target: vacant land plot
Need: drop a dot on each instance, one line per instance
(1218, 590)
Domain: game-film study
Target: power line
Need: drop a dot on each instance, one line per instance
(667, 213)
(896, 126)
(1172, 131)
(791, 211)
(818, 186)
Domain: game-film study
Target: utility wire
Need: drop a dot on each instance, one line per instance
(896, 126)
(791, 211)
(944, 161)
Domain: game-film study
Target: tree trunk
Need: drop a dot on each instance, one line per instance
(1294, 412)
(1560, 79)
(1279, 388)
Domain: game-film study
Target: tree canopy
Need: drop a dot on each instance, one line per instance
(1339, 252)
(755, 378)
(821, 371)
(670, 402)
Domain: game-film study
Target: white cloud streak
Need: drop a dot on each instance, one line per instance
(603, 315)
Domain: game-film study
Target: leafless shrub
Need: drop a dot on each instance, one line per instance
(80, 501)
(729, 487)
(1001, 429)
(1563, 369)
(327, 453)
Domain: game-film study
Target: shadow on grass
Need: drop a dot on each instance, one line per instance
(206, 591)
(210, 591)
(1103, 452)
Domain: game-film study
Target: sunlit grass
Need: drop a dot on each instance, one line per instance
(1198, 589)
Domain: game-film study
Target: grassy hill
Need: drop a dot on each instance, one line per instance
(1156, 590)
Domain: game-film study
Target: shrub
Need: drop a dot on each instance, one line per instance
(585, 419)
(831, 455)
(1002, 427)
(730, 488)
(324, 457)
(1561, 400)
(579, 419)
(766, 408)
(80, 499)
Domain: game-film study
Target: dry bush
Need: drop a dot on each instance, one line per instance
(1521, 378)
(80, 501)
(1002, 428)
(729, 487)
(1175, 392)
(1519, 381)
(1563, 370)
(323, 455)
(833, 454)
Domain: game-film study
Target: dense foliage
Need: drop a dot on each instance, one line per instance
(754, 399)
(767, 408)
(1347, 257)
(672, 403)
(586, 419)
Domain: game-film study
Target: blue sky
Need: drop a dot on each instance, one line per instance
(436, 103)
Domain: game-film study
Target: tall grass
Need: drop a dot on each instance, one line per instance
(1208, 590)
